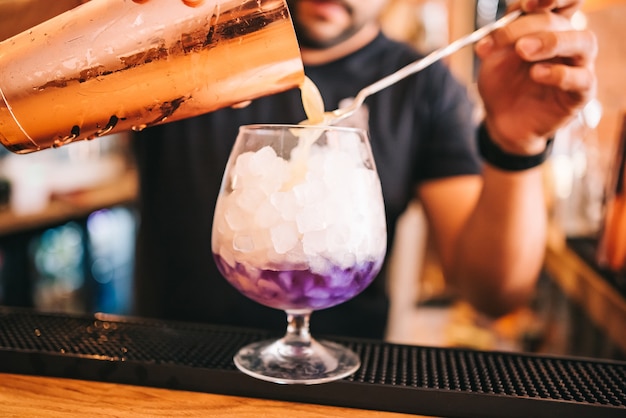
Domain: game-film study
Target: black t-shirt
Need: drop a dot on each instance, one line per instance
(420, 129)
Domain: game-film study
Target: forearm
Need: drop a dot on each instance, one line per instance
(535, 75)
(500, 249)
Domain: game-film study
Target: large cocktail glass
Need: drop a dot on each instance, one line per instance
(299, 226)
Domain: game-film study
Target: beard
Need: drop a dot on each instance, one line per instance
(309, 39)
(312, 42)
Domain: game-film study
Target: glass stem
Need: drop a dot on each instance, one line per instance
(297, 340)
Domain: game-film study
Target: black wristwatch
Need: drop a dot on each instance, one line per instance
(494, 155)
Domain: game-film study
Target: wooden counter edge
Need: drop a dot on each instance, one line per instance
(42, 397)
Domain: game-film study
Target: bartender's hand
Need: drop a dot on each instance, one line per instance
(190, 3)
(536, 74)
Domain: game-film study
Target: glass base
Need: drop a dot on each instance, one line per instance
(281, 362)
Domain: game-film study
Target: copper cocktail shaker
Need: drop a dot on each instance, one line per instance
(114, 65)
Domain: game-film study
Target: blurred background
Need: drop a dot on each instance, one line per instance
(67, 218)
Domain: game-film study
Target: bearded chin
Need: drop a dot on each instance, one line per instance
(305, 40)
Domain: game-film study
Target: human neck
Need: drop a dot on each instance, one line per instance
(354, 43)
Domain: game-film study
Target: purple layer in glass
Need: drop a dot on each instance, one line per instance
(299, 289)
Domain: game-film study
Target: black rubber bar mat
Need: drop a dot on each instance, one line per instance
(442, 382)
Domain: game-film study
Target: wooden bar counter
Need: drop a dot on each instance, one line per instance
(36, 396)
